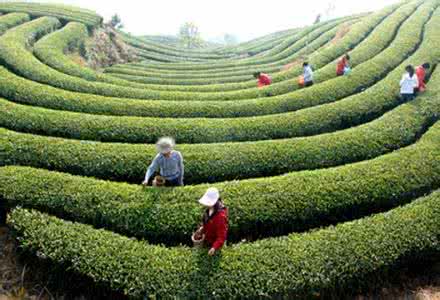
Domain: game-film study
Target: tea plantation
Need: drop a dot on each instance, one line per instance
(327, 186)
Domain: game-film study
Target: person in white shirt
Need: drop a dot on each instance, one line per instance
(408, 84)
(169, 162)
(308, 74)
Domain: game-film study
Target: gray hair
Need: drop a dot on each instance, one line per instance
(165, 144)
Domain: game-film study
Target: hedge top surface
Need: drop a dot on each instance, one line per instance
(50, 50)
(207, 66)
(379, 38)
(229, 161)
(11, 20)
(308, 97)
(15, 55)
(352, 110)
(65, 12)
(292, 202)
(231, 78)
(38, 71)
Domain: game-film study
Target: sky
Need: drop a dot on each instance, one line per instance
(246, 19)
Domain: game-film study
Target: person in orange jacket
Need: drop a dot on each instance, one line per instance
(214, 228)
(421, 74)
(263, 79)
(343, 63)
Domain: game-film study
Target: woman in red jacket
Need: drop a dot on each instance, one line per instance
(421, 74)
(263, 79)
(343, 63)
(214, 222)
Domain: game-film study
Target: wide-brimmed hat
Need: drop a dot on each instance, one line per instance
(165, 144)
(210, 198)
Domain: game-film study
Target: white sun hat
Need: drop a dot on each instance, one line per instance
(165, 144)
(210, 198)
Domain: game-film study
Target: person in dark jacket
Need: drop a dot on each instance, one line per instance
(308, 74)
(214, 226)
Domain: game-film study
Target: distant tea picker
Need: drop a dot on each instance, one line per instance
(168, 162)
(408, 84)
(421, 74)
(343, 66)
(263, 79)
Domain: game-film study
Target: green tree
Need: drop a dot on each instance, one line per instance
(230, 39)
(116, 22)
(189, 36)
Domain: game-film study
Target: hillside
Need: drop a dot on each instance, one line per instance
(331, 189)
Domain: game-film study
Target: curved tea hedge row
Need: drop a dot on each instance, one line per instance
(15, 55)
(51, 50)
(285, 55)
(252, 47)
(267, 206)
(341, 114)
(178, 53)
(220, 162)
(212, 82)
(259, 45)
(14, 83)
(392, 158)
(279, 51)
(11, 20)
(343, 257)
(379, 39)
(319, 59)
(162, 58)
(357, 33)
(65, 12)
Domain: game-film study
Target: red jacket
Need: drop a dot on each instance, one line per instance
(264, 80)
(216, 229)
(343, 62)
(421, 73)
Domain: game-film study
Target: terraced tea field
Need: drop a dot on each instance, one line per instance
(327, 186)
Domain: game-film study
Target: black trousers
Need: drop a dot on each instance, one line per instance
(168, 183)
(2, 213)
(407, 97)
(174, 182)
(308, 83)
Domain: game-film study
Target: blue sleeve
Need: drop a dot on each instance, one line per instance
(152, 168)
(182, 169)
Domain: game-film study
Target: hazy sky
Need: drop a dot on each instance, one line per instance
(244, 18)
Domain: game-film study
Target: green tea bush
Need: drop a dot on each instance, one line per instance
(229, 161)
(11, 20)
(343, 257)
(366, 74)
(281, 51)
(51, 50)
(378, 40)
(266, 206)
(351, 111)
(65, 12)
